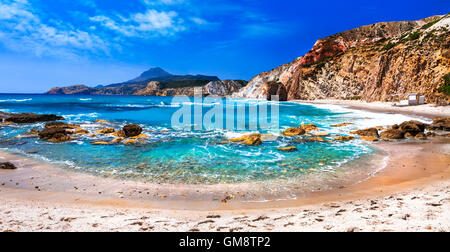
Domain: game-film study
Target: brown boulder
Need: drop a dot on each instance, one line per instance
(369, 138)
(119, 133)
(28, 118)
(132, 130)
(371, 132)
(105, 131)
(392, 134)
(412, 127)
(7, 166)
(287, 149)
(441, 123)
(275, 88)
(345, 138)
(421, 136)
(61, 125)
(297, 131)
(252, 139)
(81, 131)
(55, 135)
(309, 127)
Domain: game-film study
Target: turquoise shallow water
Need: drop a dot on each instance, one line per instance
(187, 157)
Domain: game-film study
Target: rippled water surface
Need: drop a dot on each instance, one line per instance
(188, 157)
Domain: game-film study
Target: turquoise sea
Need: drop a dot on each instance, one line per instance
(187, 157)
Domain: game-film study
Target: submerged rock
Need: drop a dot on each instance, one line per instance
(297, 131)
(132, 130)
(268, 137)
(392, 134)
(371, 132)
(287, 149)
(341, 125)
(321, 134)
(7, 166)
(28, 118)
(102, 121)
(130, 141)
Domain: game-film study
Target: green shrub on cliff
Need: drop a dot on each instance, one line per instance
(414, 36)
(445, 89)
(388, 46)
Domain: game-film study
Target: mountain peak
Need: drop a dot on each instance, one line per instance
(152, 73)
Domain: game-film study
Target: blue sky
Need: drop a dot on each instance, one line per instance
(47, 43)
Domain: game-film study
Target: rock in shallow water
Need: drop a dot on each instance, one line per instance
(392, 134)
(441, 123)
(371, 132)
(294, 132)
(55, 135)
(7, 166)
(28, 118)
(132, 130)
(252, 139)
(287, 149)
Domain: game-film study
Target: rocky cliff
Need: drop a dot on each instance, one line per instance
(371, 63)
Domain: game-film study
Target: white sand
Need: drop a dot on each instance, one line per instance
(422, 209)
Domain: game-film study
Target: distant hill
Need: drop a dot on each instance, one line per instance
(135, 85)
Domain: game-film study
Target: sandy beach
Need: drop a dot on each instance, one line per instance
(410, 193)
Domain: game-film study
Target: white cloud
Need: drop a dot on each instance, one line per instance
(149, 23)
(21, 29)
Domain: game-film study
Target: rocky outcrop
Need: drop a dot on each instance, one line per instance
(412, 127)
(132, 130)
(441, 123)
(251, 140)
(369, 63)
(23, 118)
(61, 125)
(392, 134)
(7, 166)
(371, 132)
(55, 135)
(296, 131)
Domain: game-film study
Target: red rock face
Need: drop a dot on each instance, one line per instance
(370, 63)
(323, 50)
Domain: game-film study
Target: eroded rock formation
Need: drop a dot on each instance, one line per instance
(369, 63)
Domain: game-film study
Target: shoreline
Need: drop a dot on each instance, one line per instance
(429, 111)
(417, 170)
